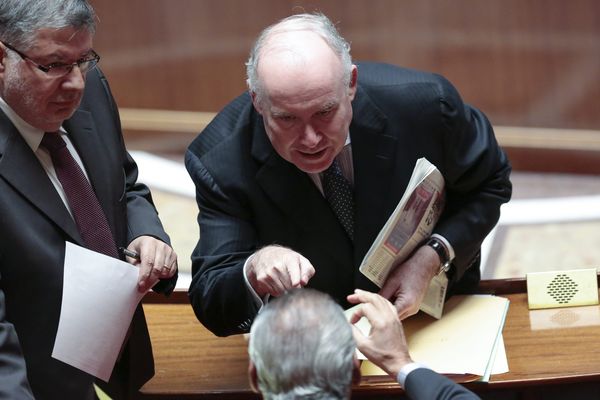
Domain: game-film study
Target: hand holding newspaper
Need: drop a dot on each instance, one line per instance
(411, 222)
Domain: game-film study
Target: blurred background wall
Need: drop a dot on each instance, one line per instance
(529, 63)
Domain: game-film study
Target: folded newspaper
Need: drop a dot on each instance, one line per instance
(409, 225)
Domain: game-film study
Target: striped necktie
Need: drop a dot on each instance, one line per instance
(87, 212)
(339, 194)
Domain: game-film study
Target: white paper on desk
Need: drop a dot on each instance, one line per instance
(99, 298)
(464, 341)
(499, 361)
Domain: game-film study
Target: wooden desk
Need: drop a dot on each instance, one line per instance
(192, 363)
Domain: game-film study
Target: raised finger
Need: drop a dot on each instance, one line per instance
(307, 271)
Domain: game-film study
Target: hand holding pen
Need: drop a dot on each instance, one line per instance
(156, 260)
(130, 253)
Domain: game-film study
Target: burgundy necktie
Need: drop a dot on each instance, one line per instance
(339, 193)
(87, 212)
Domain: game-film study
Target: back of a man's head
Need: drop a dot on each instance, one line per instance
(302, 346)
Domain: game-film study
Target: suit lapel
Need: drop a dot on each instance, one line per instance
(373, 155)
(22, 170)
(82, 131)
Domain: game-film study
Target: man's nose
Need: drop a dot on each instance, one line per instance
(310, 137)
(75, 79)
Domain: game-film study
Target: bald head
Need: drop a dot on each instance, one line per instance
(298, 62)
(291, 40)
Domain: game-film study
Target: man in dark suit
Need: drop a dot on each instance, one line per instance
(303, 336)
(260, 169)
(50, 90)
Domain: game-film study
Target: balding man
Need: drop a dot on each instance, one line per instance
(296, 178)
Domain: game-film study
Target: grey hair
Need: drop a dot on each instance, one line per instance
(21, 19)
(302, 347)
(316, 23)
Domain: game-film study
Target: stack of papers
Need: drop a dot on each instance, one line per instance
(467, 340)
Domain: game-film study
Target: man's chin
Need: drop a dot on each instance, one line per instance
(313, 167)
(54, 124)
(64, 113)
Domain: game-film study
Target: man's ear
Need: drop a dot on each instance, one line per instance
(253, 377)
(3, 59)
(255, 102)
(355, 370)
(353, 82)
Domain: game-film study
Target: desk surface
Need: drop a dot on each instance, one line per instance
(542, 346)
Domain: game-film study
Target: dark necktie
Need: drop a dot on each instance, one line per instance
(87, 212)
(338, 192)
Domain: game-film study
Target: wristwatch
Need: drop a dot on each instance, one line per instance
(439, 247)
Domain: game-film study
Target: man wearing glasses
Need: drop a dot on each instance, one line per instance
(65, 175)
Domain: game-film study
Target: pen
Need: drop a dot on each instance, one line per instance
(130, 253)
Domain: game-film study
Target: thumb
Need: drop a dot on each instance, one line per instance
(388, 290)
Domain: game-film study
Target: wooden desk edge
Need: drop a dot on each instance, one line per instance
(493, 286)
(179, 296)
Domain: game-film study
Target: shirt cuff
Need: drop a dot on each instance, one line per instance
(446, 243)
(257, 300)
(407, 369)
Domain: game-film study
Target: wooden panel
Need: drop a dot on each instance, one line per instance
(191, 361)
(523, 62)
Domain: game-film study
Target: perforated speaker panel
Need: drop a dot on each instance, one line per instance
(577, 287)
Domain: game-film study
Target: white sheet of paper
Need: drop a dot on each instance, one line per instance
(500, 360)
(99, 298)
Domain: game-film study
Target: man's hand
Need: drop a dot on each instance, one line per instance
(386, 344)
(275, 269)
(407, 284)
(157, 261)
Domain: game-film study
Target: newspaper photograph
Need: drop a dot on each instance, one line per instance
(411, 222)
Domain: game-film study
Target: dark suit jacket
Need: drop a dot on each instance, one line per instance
(425, 384)
(35, 225)
(250, 197)
(13, 384)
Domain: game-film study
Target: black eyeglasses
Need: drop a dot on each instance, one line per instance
(58, 70)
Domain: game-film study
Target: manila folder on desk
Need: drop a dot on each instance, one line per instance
(461, 342)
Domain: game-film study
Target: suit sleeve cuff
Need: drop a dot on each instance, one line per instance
(407, 369)
(257, 300)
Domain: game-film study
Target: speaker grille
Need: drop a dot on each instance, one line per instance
(562, 288)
